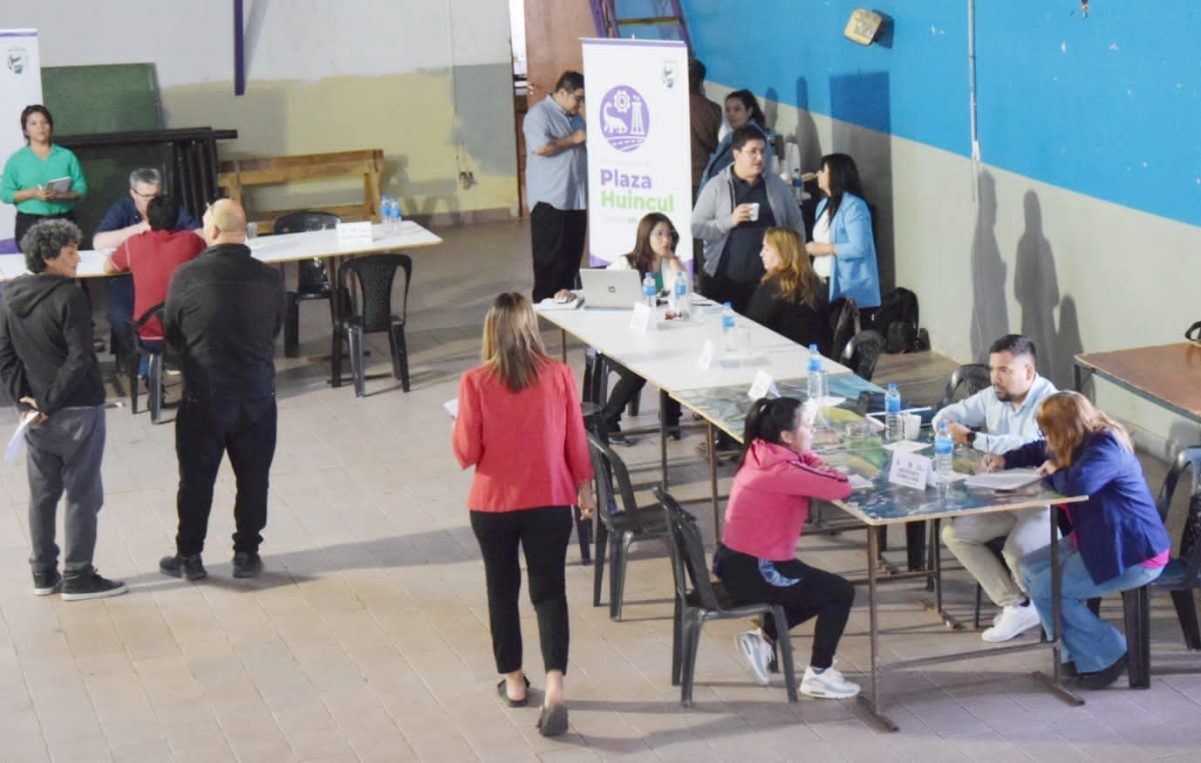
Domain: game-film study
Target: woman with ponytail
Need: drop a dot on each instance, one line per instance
(778, 474)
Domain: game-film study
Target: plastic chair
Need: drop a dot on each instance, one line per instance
(628, 524)
(154, 363)
(844, 323)
(370, 313)
(312, 279)
(862, 353)
(699, 600)
(965, 381)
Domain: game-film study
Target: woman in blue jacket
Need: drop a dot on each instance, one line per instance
(843, 246)
(1118, 542)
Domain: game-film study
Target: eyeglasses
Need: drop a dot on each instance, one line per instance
(146, 196)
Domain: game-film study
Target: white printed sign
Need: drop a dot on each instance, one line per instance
(642, 319)
(708, 350)
(762, 386)
(910, 470)
(20, 86)
(639, 155)
(354, 235)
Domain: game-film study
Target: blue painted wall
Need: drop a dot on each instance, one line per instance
(1107, 105)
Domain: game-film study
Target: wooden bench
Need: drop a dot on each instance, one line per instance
(237, 175)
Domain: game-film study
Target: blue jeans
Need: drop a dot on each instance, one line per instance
(1089, 641)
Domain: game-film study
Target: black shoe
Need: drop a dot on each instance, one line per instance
(188, 567)
(504, 692)
(1102, 678)
(46, 583)
(1068, 669)
(90, 585)
(553, 720)
(673, 431)
(247, 564)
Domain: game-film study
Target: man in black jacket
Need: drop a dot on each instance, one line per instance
(49, 368)
(224, 310)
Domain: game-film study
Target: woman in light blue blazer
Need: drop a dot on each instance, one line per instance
(842, 232)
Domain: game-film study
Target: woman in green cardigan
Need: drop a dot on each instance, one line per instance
(33, 173)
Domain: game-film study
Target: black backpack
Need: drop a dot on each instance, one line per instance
(897, 321)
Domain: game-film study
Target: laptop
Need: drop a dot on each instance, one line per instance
(611, 288)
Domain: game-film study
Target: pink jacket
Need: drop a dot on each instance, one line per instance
(769, 502)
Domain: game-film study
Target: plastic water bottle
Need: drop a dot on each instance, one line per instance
(944, 450)
(892, 414)
(397, 217)
(386, 214)
(679, 295)
(649, 290)
(727, 326)
(817, 377)
(798, 187)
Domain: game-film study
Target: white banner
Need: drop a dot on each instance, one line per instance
(639, 158)
(20, 85)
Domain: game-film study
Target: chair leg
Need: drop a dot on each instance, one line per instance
(354, 338)
(677, 641)
(694, 621)
(155, 380)
(335, 356)
(784, 643)
(1136, 613)
(134, 381)
(583, 533)
(979, 601)
(602, 539)
(619, 552)
(400, 355)
(635, 404)
(1186, 613)
(292, 326)
(915, 545)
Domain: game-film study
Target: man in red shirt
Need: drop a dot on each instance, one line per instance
(152, 257)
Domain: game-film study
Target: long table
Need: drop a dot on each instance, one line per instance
(1168, 375)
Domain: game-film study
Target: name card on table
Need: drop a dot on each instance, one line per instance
(910, 470)
(762, 386)
(643, 319)
(354, 234)
(708, 350)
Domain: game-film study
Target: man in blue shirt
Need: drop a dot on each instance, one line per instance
(1007, 411)
(124, 219)
(556, 179)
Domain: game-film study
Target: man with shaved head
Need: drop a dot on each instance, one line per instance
(224, 311)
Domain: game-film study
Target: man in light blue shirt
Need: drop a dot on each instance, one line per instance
(1006, 414)
(556, 180)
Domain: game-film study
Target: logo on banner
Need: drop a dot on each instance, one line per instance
(624, 118)
(670, 74)
(17, 59)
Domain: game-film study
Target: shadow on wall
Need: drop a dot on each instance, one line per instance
(990, 313)
(859, 104)
(421, 199)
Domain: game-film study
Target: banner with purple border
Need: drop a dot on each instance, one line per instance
(20, 85)
(638, 142)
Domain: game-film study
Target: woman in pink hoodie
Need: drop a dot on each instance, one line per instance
(769, 503)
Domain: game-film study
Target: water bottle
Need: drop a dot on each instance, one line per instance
(944, 449)
(798, 187)
(892, 414)
(817, 377)
(649, 290)
(727, 326)
(679, 295)
(386, 214)
(397, 217)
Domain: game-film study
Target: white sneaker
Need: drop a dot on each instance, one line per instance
(757, 653)
(829, 684)
(1015, 620)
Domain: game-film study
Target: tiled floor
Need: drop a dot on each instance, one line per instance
(366, 638)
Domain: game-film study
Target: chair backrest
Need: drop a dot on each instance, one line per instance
(609, 468)
(311, 275)
(965, 381)
(863, 352)
(844, 323)
(1190, 537)
(374, 275)
(689, 569)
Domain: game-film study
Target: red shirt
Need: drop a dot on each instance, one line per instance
(528, 448)
(152, 256)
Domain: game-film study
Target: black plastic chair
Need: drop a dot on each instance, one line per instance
(844, 324)
(862, 353)
(628, 524)
(312, 279)
(965, 381)
(368, 309)
(698, 600)
(154, 364)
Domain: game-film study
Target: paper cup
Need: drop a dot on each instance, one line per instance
(912, 424)
(754, 211)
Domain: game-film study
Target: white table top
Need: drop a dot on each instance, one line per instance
(667, 356)
(286, 247)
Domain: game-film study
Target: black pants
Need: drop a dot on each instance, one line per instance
(118, 290)
(204, 431)
(543, 534)
(628, 385)
(804, 591)
(557, 238)
(721, 288)
(26, 221)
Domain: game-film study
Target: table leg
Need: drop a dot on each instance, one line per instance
(1051, 681)
(710, 445)
(872, 702)
(663, 439)
(936, 558)
(563, 345)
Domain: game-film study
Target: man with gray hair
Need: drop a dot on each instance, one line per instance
(50, 371)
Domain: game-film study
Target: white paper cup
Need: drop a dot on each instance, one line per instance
(912, 424)
(252, 229)
(754, 211)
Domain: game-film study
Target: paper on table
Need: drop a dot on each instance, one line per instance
(1010, 479)
(858, 482)
(16, 443)
(452, 407)
(550, 304)
(907, 446)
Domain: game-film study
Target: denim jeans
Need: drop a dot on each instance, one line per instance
(1089, 641)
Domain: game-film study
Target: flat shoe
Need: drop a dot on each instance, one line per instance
(1100, 679)
(502, 691)
(553, 721)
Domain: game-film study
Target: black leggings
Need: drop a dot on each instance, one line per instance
(543, 534)
(628, 386)
(804, 591)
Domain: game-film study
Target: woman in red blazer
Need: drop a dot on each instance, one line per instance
(520, 425)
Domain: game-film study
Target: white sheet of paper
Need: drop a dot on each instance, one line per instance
(906, 446)
(858, 482)
(452, 407)
(708, 351)
(354, 234)
(1010, 479)
(643, 318)
(16, 443)
(909, 470)
(762, 386)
